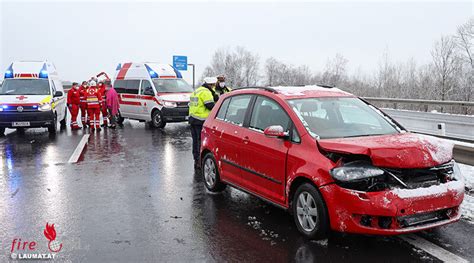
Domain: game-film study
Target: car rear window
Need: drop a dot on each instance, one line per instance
(235, 110)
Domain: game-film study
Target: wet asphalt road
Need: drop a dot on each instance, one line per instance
(134, 196)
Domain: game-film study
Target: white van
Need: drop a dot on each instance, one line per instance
(152, 92)
(32, 95)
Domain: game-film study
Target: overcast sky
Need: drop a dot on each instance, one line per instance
(83, 38)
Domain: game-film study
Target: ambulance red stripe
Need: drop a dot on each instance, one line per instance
(123, 70)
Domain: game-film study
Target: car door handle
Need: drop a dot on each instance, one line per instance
(213, 129)
(246, 139)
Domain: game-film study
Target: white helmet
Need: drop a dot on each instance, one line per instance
(92, 83)
(210, 80)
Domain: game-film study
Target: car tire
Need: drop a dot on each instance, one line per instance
(157, 120)
(310, 212)
(52, 129)
(2, 132)
(63, 121)
(210, 174)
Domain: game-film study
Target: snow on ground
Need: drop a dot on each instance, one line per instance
(467, 206)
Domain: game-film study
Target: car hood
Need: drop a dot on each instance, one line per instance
(403, 150)
(174, 96)
(24, 99)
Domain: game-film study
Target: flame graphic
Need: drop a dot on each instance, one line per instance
(50, 232)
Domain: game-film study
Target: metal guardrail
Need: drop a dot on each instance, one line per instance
(463, 154)
(424, 102)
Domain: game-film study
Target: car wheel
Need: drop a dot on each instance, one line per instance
(2, 132)
(52, 129)
(157, 119)
(63, 121)
(309, 212)
(211, 174)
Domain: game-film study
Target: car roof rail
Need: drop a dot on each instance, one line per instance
(325, 86)
(259, 87)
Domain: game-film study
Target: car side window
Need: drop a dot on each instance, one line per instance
(146, 88)
(120, 86)
(268, 112)
(132, 86)
(223, 109)
(237, 109)
(295, 137)
(53, 87)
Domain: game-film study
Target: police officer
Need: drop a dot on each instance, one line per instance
(221, 87)
(201, 102)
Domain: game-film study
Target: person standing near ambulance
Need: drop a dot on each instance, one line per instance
(94, 101)
(83, 104)
(102, 89)
(73, 104)
(112, 105)
(201, 102)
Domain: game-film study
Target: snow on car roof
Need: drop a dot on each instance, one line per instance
(290, 92)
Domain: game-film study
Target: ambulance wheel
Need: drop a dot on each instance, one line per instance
(63, 121)
(157, 119)
(120, 119)
(52, 129)
(2, 132)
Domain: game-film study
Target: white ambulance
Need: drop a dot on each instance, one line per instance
(152, 92)
(32, 95)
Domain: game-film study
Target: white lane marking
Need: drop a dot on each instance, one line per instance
(77, 152)
(432, 249)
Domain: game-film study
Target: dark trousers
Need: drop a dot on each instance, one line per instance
(196, 134)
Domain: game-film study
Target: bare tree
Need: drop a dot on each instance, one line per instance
(240, 66)
(446, 63)
(463, 39)
(335, 71)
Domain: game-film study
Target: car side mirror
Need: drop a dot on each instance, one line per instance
(58, 94)
(149, 92)
(276, 131)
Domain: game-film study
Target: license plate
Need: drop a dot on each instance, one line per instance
(21, 124)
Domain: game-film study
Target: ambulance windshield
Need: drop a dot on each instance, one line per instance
(25, 87)
(172, 85)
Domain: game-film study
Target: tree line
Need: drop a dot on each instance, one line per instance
(448, 76)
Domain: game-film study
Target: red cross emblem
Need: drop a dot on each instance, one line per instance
(21, 97)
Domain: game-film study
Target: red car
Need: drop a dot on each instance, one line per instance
(332, 159)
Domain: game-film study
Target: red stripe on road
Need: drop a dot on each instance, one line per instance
(123, 70)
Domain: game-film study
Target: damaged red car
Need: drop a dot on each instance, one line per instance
(332, 160)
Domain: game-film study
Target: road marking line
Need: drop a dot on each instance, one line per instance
(77, 152)
(432, 249)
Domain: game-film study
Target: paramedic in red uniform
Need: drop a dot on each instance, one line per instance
(101, 87)
(83, 104)
(94, 101)
(73, 101)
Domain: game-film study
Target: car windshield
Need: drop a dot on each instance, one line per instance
(172, 85)
(25, 87)
(341, 118)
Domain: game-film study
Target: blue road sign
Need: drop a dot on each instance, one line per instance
(180, 62)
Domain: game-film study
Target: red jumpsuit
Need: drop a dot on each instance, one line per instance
(103, 106)
(73, 101)
(94, 101)
(83, 106)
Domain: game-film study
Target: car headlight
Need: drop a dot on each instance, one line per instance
(44, 107)
(169, 104)
(354, 173)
